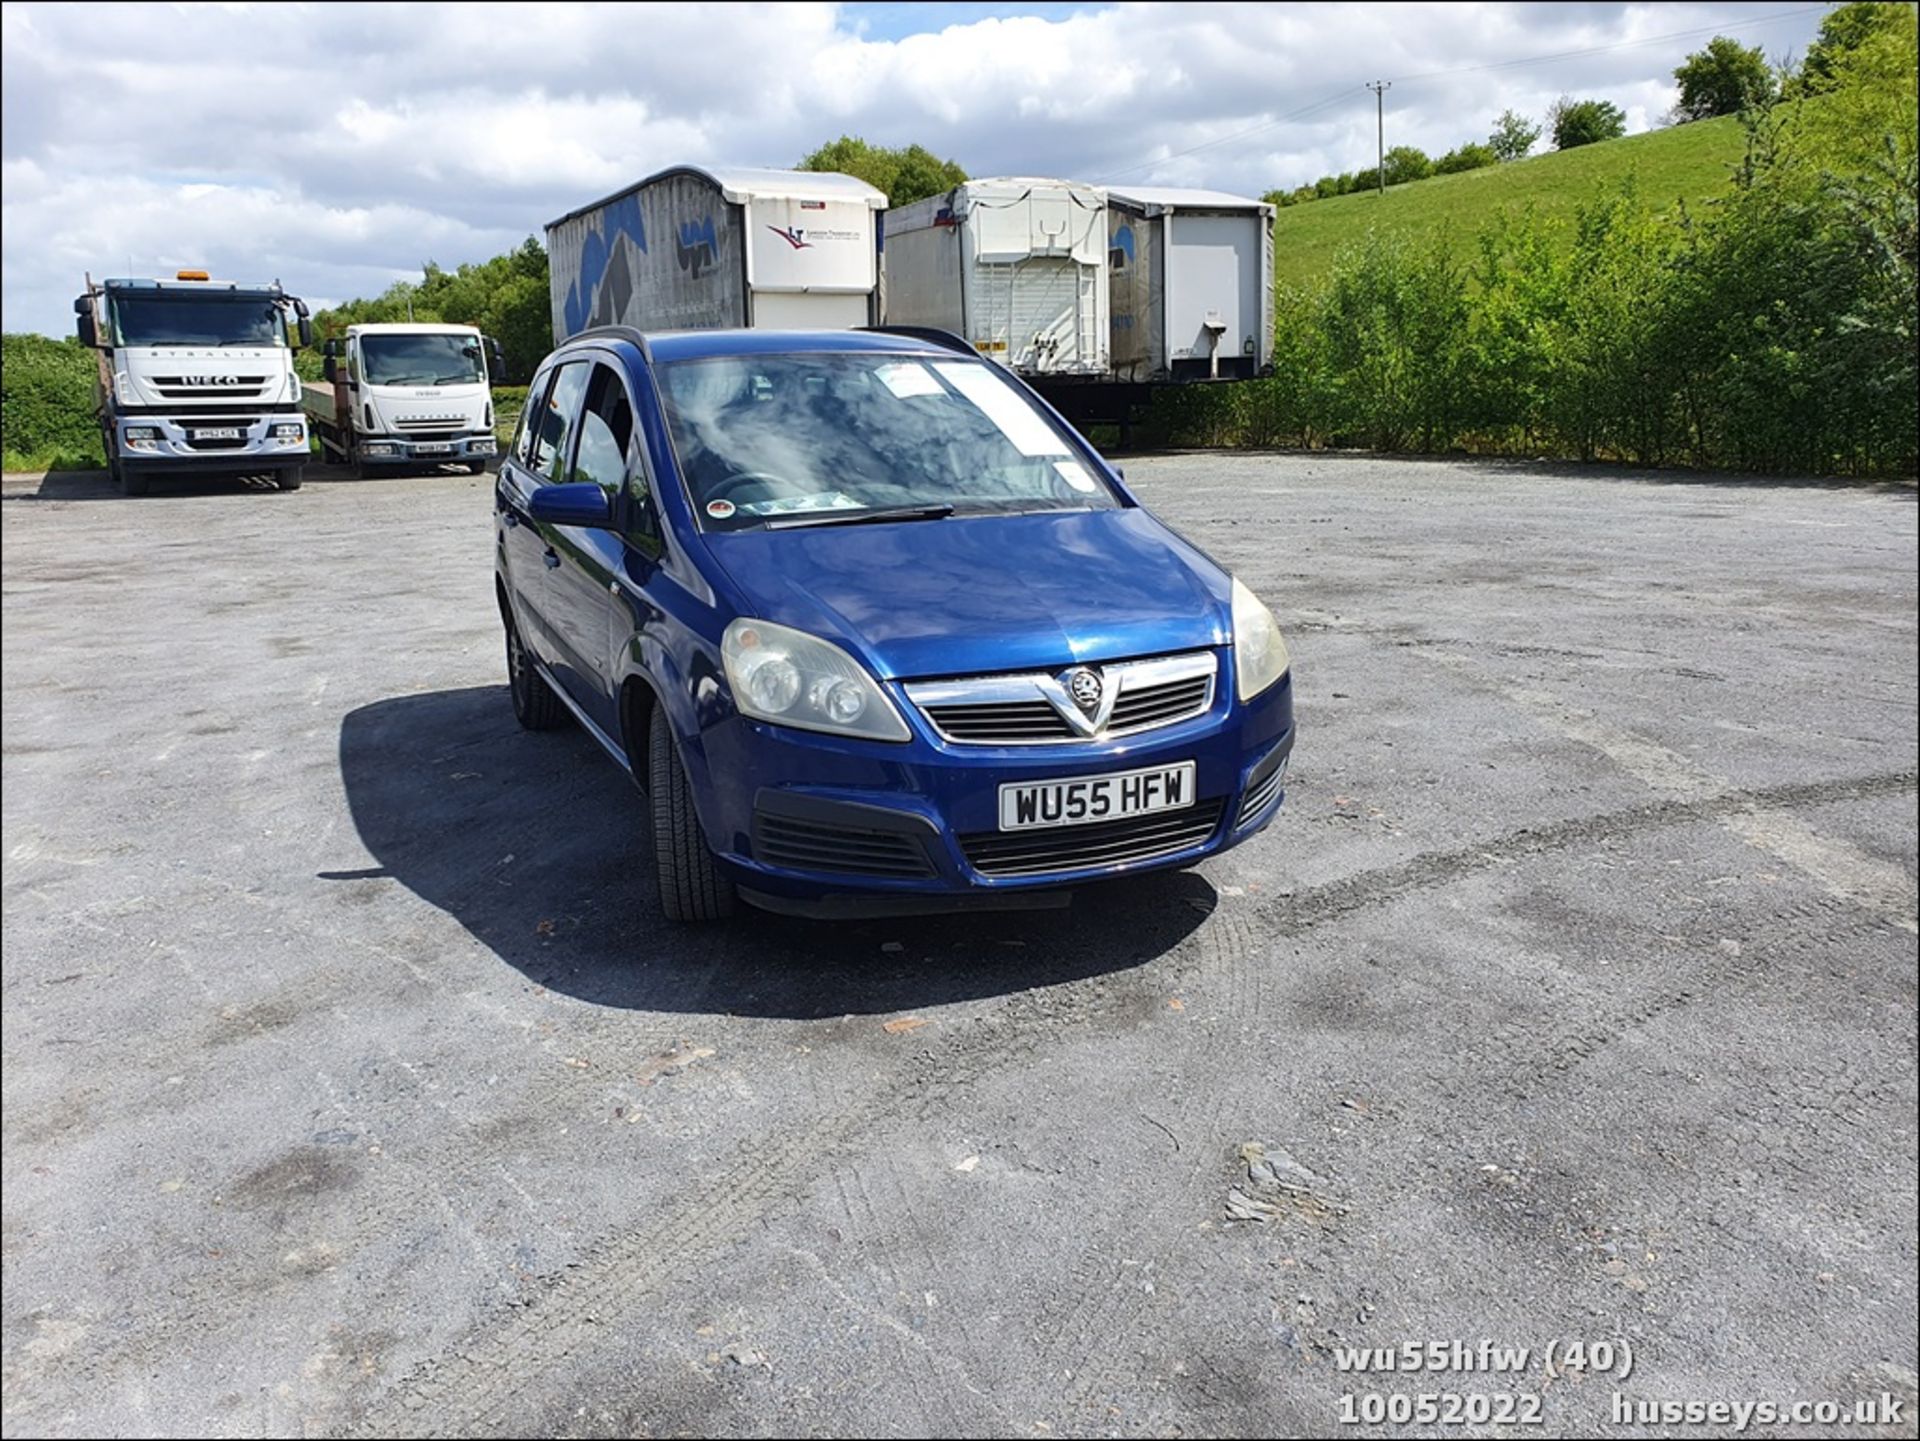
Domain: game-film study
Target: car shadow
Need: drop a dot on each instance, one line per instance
(98, 485)
(538, 845)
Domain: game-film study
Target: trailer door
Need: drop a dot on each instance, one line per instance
(1213, 278)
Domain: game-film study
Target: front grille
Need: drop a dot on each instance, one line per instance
(1260, 794)
(803, 845)
(194, 442)
(1073, 848)
(1000, 722)
(432, 435)
(1156, 705)
(177, 387)
(1034, 709)
(431, 422)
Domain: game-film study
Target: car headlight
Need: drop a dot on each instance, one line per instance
(791, 678)
(1259, 652)
(293, 431)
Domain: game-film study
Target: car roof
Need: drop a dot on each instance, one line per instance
(669, 345)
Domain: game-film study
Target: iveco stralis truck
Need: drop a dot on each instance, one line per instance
(196, 378)
(406, 395)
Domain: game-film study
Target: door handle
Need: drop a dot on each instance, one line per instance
(552, 560)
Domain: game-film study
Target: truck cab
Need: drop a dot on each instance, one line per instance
(196, 377)
(406, 395)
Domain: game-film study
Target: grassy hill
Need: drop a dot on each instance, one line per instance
(1687, 162)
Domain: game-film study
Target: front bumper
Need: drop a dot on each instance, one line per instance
(478, 446)
(823, 825)
(262, 442)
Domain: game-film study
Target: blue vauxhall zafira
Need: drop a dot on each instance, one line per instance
(874, 629)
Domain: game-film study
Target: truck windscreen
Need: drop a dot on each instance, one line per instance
(197, 320)
(421, 360)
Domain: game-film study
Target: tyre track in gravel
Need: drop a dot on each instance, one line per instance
(472, 1384)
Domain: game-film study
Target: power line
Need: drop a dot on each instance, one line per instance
(1345, 90)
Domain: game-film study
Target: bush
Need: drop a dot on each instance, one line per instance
(46, 404)
(1471, 156)
(1585, 122)
(1407, 162)
(1513, 136)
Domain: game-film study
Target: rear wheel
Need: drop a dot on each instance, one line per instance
(691, 885)
(535, 705)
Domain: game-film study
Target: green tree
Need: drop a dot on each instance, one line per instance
(1723, 79)
(1470, 156)
(1847, 28)
(1407, 162)
(1513, 136)
(1585, 122)
(904, 175)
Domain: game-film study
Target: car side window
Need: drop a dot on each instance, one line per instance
(606, 427)
(532, 406)
(557, 418)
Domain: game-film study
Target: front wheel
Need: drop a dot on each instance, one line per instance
(291, 477)
(474, 467)
(691, 885)
(132, 481)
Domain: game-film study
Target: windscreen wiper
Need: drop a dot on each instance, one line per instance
(860, 517)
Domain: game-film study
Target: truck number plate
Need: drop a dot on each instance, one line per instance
(218, 432)
(433, 449)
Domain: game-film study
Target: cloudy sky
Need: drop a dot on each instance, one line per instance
(339, 146)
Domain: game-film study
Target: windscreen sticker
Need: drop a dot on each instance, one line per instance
(720, 509)
(1075, 475)
(793, 504)
(1017, 420)
(908, 380)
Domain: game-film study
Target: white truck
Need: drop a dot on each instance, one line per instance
(196, 378)
(1191, 281)
(701, 249)
(1016, 267)
(399, 396)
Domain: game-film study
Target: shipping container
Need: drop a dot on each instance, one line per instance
(696, 249)
(1191, 284)
(1016, 267)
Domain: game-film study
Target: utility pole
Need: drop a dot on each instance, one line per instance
(1380, 89)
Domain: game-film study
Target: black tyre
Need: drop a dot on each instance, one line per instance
(474, 467)
(535, 705)
(691, 886)
(133, 481)
(291, 477)
(113, 455)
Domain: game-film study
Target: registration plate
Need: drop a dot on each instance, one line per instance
(1025, 805)
(431, 448)
(220, 432)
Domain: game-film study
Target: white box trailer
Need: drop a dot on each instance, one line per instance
(1191, 284)
(1016, 267)
(697, 249)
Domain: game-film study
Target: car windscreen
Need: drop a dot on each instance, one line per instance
(420, 360)
(799, 438)
(229, 320)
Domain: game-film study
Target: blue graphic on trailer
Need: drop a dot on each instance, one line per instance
(698, 246)
(596, 254)
(1121, 254)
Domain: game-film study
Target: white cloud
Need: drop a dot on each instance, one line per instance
(339, 146)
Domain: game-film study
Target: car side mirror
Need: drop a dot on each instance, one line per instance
(330, 348)
(330, 370)
(496, 357)
(88, 332)
(306, 332)
(582, 503)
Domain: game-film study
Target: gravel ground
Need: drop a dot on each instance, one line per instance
(353, 1087)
